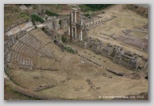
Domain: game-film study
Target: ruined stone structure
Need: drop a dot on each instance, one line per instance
(56, 24)
(76, 25)
(97, 20)
(16, 45)
(22, 49)
(141, 9)
(49, 32)
(64, 23)
(16, 24)
(117, 54)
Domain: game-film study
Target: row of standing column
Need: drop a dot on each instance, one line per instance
(74, 28)
(73, 20)
(81, 33)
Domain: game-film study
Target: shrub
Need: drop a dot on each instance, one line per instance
(87, 15)
(37, 18)
(93, 7)
(60, 22)
(50, 13)
(24, 15)
(64, 39)
(85, 8)
(97, 6)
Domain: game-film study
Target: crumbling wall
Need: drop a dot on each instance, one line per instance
(49, 32)
(64, 23)
(16, 24)
(117, 54)
(139, 9)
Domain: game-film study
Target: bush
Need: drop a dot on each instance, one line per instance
(64, 39)
(49, 13)
(97, 6)
(103, 12)
(33, 22)
(37, 18)
(87, 15)
(60, 22)
(85, 8)
(23, 14)
(27, 5)
(93, 7)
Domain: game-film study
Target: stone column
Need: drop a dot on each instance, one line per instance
(72, 32)
(81, 35)
(68, 30)
(70, 27)
(72, 17)
(75, 32)
(75, 17)
(81, 21)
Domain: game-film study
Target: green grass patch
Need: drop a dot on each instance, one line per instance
(24, 15)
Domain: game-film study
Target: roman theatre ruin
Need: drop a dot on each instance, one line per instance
(78, 57)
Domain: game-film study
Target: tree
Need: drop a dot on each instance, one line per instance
(93, 7)
(37, 18)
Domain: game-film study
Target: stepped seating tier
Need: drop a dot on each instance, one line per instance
(25, 50)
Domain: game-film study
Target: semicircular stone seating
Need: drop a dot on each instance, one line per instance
(25, 50)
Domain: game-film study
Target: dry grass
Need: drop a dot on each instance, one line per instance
(71, 79)
(125, 19)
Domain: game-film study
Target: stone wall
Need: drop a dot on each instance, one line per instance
(11, 40)
(57, 23)
(142, 10)
(97, 21)
(117, 54)
(16, 24)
